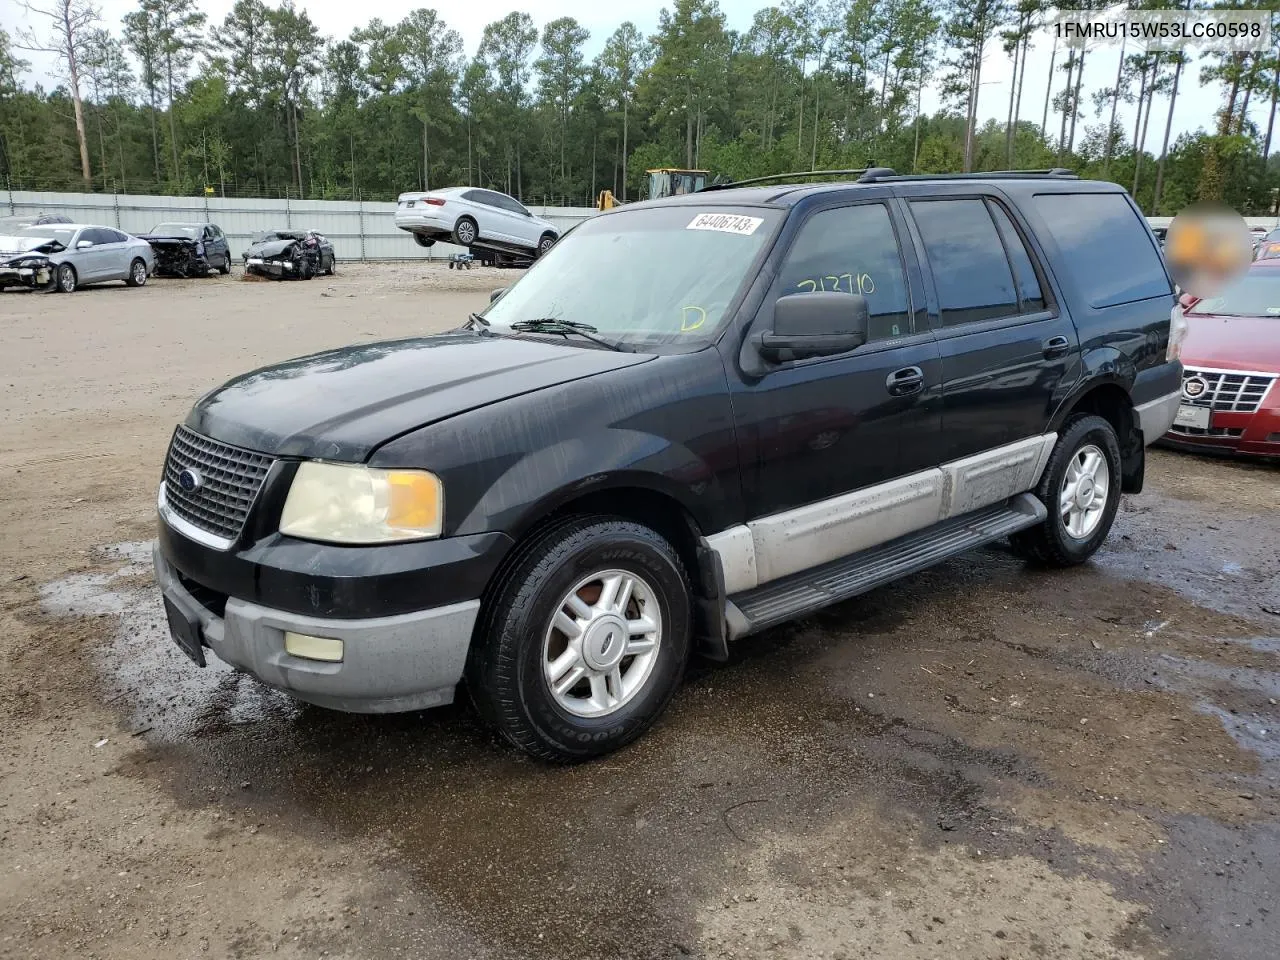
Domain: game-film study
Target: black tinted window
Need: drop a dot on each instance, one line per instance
(97, 236)
(852, 250)
(1105, 247)
(1028, 283)
(969, 267)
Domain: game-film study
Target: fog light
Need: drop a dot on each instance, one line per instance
(313, 648)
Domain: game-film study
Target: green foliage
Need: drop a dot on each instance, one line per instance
(261, 103)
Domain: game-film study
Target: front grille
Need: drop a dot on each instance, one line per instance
(1227, 391)
(1230, 433)
(231, 478)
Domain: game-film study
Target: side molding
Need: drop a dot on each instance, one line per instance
(763, 550)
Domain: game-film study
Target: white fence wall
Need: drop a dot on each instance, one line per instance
(359, 230)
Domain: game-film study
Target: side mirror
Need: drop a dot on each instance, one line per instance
(816, 325)
(1187, 301)
(84, 244)
(497, 293)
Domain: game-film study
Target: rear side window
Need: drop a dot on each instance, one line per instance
(1105, 247)
(852, 250)
(1025, 274)
(970, 270)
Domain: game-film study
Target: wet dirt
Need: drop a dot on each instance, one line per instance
(986, 760)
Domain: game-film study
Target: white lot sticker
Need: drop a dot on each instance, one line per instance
(726, 223)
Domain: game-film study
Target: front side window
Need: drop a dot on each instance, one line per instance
(660, 276)
(852, 250)
(970, 270)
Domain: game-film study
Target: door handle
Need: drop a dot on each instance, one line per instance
(904, 382)
(1056, 347)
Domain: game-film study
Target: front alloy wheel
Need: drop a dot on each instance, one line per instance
(602, 643)
(67, 278)
(584, 639)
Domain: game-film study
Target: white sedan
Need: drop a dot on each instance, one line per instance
(470, 216)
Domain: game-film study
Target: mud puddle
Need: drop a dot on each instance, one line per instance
(960, 717)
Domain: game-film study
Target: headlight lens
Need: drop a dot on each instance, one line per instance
(345, 503)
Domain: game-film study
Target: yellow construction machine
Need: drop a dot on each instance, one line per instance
(663, 182)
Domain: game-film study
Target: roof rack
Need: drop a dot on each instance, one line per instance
(881, 174)
(785, 177)
(1055, 173)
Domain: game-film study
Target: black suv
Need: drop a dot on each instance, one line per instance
(694, 418)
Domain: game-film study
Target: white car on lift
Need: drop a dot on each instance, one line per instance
(472, 217)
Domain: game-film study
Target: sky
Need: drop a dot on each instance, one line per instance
(1195, 108)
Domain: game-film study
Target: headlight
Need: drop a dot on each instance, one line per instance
(345, 503)
(199, 249)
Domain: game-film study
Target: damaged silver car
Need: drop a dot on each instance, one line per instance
(290, 254)
(64, 257)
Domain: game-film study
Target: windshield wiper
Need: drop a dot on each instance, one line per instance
(566, 327)
(477, 323)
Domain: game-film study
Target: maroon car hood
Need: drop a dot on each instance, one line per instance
(1232, 343)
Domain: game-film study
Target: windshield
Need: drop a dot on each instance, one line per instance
(1256, 294)
(664, 275)
(61, 234)
(176, 230)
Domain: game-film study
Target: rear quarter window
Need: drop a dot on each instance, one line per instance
(1105, 247)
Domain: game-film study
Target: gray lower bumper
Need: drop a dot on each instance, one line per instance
(390, 664)
(1156, 417)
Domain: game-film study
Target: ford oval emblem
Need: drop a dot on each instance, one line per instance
(190, 480)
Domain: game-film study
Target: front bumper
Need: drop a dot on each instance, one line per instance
(270, 268)
(394, 663)
(1248, 433)
(33, 276)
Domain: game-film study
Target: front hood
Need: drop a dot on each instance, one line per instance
(341, 404)
(1232, 343)
(12, 246)
(270, 248)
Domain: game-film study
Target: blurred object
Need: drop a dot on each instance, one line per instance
(1207, 246)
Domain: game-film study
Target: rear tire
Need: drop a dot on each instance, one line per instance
(423, 241)
(465, 232)
(66, 279)
(137, 273)
(1080, 488)
(617, 662)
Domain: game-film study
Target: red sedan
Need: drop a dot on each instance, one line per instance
(1231, 360)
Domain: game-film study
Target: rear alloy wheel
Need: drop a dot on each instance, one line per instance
(464, 232)
(137, 273)
(67, 278)
(1080, 488)
(585, 641)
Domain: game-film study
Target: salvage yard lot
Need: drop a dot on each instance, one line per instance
(982, 761)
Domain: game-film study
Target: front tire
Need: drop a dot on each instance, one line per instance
(1081, 489)
(66, 278)
(137, 273)
(226, 265)
(546, 243)
(584, 641)
(424, 241)
(465, 232)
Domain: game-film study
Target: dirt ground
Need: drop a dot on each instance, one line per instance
(983, 761)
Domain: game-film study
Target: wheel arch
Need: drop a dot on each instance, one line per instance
(643, 499)
(1108, 396)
